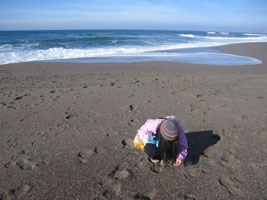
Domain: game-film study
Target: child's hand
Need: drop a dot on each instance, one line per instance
(152, 140)
(177, 162)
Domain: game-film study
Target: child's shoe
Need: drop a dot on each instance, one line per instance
(154, 161)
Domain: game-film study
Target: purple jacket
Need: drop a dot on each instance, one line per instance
(151, 125)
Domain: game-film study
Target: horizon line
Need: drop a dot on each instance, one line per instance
(128, 29)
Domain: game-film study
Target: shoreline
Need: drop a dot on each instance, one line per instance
(67, 129)
(240, 49)
(255, 50)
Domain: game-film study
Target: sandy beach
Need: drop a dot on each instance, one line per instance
(67, 129)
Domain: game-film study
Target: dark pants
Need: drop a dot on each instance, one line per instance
(152, 151)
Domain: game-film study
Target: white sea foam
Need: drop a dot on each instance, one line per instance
(62, 53)
(252, 34)
(15, 55)
(212, 33)
(4, 46)
(188, 35)
(262, 38)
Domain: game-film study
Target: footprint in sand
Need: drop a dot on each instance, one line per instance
(172, 92)
(112, 191)
(141, 197)
(11, 107)
(85, 154)
(227, 159)
(192, 108)
(3, 103)
(43, 135)
(244, 117)
(18, 98)
(236, 126)
(128, 142)
(133, 122)
(193, 172)
(225, 182)
(130, 96)
(52, 92)
(11, 143)
(189, 197)
(149, 194)
(212, 150)
(132, 107)
(18, 193)
(61, 127)
(70, 115)
(123, 142)
(121, 171)
(24, 162)
(112, 188)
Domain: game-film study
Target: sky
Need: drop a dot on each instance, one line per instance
(216, 15)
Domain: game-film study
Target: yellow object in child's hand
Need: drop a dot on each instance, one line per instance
(138, 143)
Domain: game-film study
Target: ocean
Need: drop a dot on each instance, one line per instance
(123, 46)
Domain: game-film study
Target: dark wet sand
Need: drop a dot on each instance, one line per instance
(67, 129)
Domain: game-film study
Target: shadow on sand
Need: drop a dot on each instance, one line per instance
(198, 142)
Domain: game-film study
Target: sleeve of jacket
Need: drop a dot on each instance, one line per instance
(182, 145)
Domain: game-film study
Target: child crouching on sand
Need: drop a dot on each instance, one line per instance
(162, 139)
